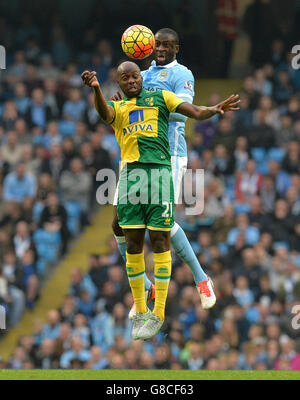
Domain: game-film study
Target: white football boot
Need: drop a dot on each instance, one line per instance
(206, 293)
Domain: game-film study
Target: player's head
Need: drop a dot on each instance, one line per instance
(130, 79)
(166, 46)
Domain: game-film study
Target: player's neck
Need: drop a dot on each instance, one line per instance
(168, 65)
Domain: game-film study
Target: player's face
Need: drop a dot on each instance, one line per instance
(130, 81)
(165, 49)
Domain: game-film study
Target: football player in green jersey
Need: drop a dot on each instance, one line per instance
(140, 121)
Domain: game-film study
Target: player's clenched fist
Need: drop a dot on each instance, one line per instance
(90, 79)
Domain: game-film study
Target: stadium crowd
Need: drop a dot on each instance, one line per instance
(247, 239)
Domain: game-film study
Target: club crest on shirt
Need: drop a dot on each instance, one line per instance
(149, 101)
(163, 75)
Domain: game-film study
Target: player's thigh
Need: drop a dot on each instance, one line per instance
(159, 212)
(129, 208)
(118, 231)
(134, 240)
(179, 167)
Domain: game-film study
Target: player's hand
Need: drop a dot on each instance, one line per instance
(229, 104)
(90, 78)
(116, 97)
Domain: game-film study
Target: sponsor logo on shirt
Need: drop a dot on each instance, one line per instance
(188, 86)
(137, 128)
(135, 117)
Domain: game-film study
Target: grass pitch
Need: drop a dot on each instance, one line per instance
(146, 375)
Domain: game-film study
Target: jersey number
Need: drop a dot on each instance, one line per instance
(166, 213)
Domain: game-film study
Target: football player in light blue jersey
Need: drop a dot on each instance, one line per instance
(179, 80)
(166, 73)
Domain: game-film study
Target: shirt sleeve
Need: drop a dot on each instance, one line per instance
(171, 100)
(112, 104)
(184, 86)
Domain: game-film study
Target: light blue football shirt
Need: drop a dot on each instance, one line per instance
(177, 79)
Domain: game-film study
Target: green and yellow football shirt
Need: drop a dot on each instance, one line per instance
(141, 126)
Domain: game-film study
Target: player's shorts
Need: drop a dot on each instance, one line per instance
(179, 166)
(146, 197)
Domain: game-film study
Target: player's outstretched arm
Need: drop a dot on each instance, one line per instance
(105, 111)
(202, 112)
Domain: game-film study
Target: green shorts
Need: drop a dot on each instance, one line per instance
(146, 197)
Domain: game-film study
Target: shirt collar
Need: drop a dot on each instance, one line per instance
(170, 65)
(138, 96)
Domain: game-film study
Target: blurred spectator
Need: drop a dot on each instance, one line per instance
(18, 185)
(283, 89)
(291, 161)
(76, 353)
(281, 179)
(9, 115)
(241, 153)
(54, 219)
(53, 98)
(97, 361)
(111, 86)
(12, 151)
(76, 185)
(74, 107)
(52, 135)
(248, 183)
(261, 84)
(261, 133)
(250, 233)
(91, 116)
(45, 186)
(30, 282)
(38, 112)
(225, 136)
(79, 283)
(55, 164)
(281, 226)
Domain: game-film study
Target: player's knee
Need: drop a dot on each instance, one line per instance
(161, 242)
(134, 248)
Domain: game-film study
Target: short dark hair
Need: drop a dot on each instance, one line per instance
(171, 32)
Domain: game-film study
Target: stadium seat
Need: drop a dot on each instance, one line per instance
(258, 154)
(41, 267)
(223, 248)
(208, 221)
(73, 212)
(276, 154)
(37, 211)
(241, 208)
(230, 181)
(230, 193)
(263, 167)
(66, 128)
(47, 244)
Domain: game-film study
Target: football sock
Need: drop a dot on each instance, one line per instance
(121, 243)
(184, 250)
(135, 267)
(162, 273)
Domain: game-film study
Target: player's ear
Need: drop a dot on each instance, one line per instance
(177, 48)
